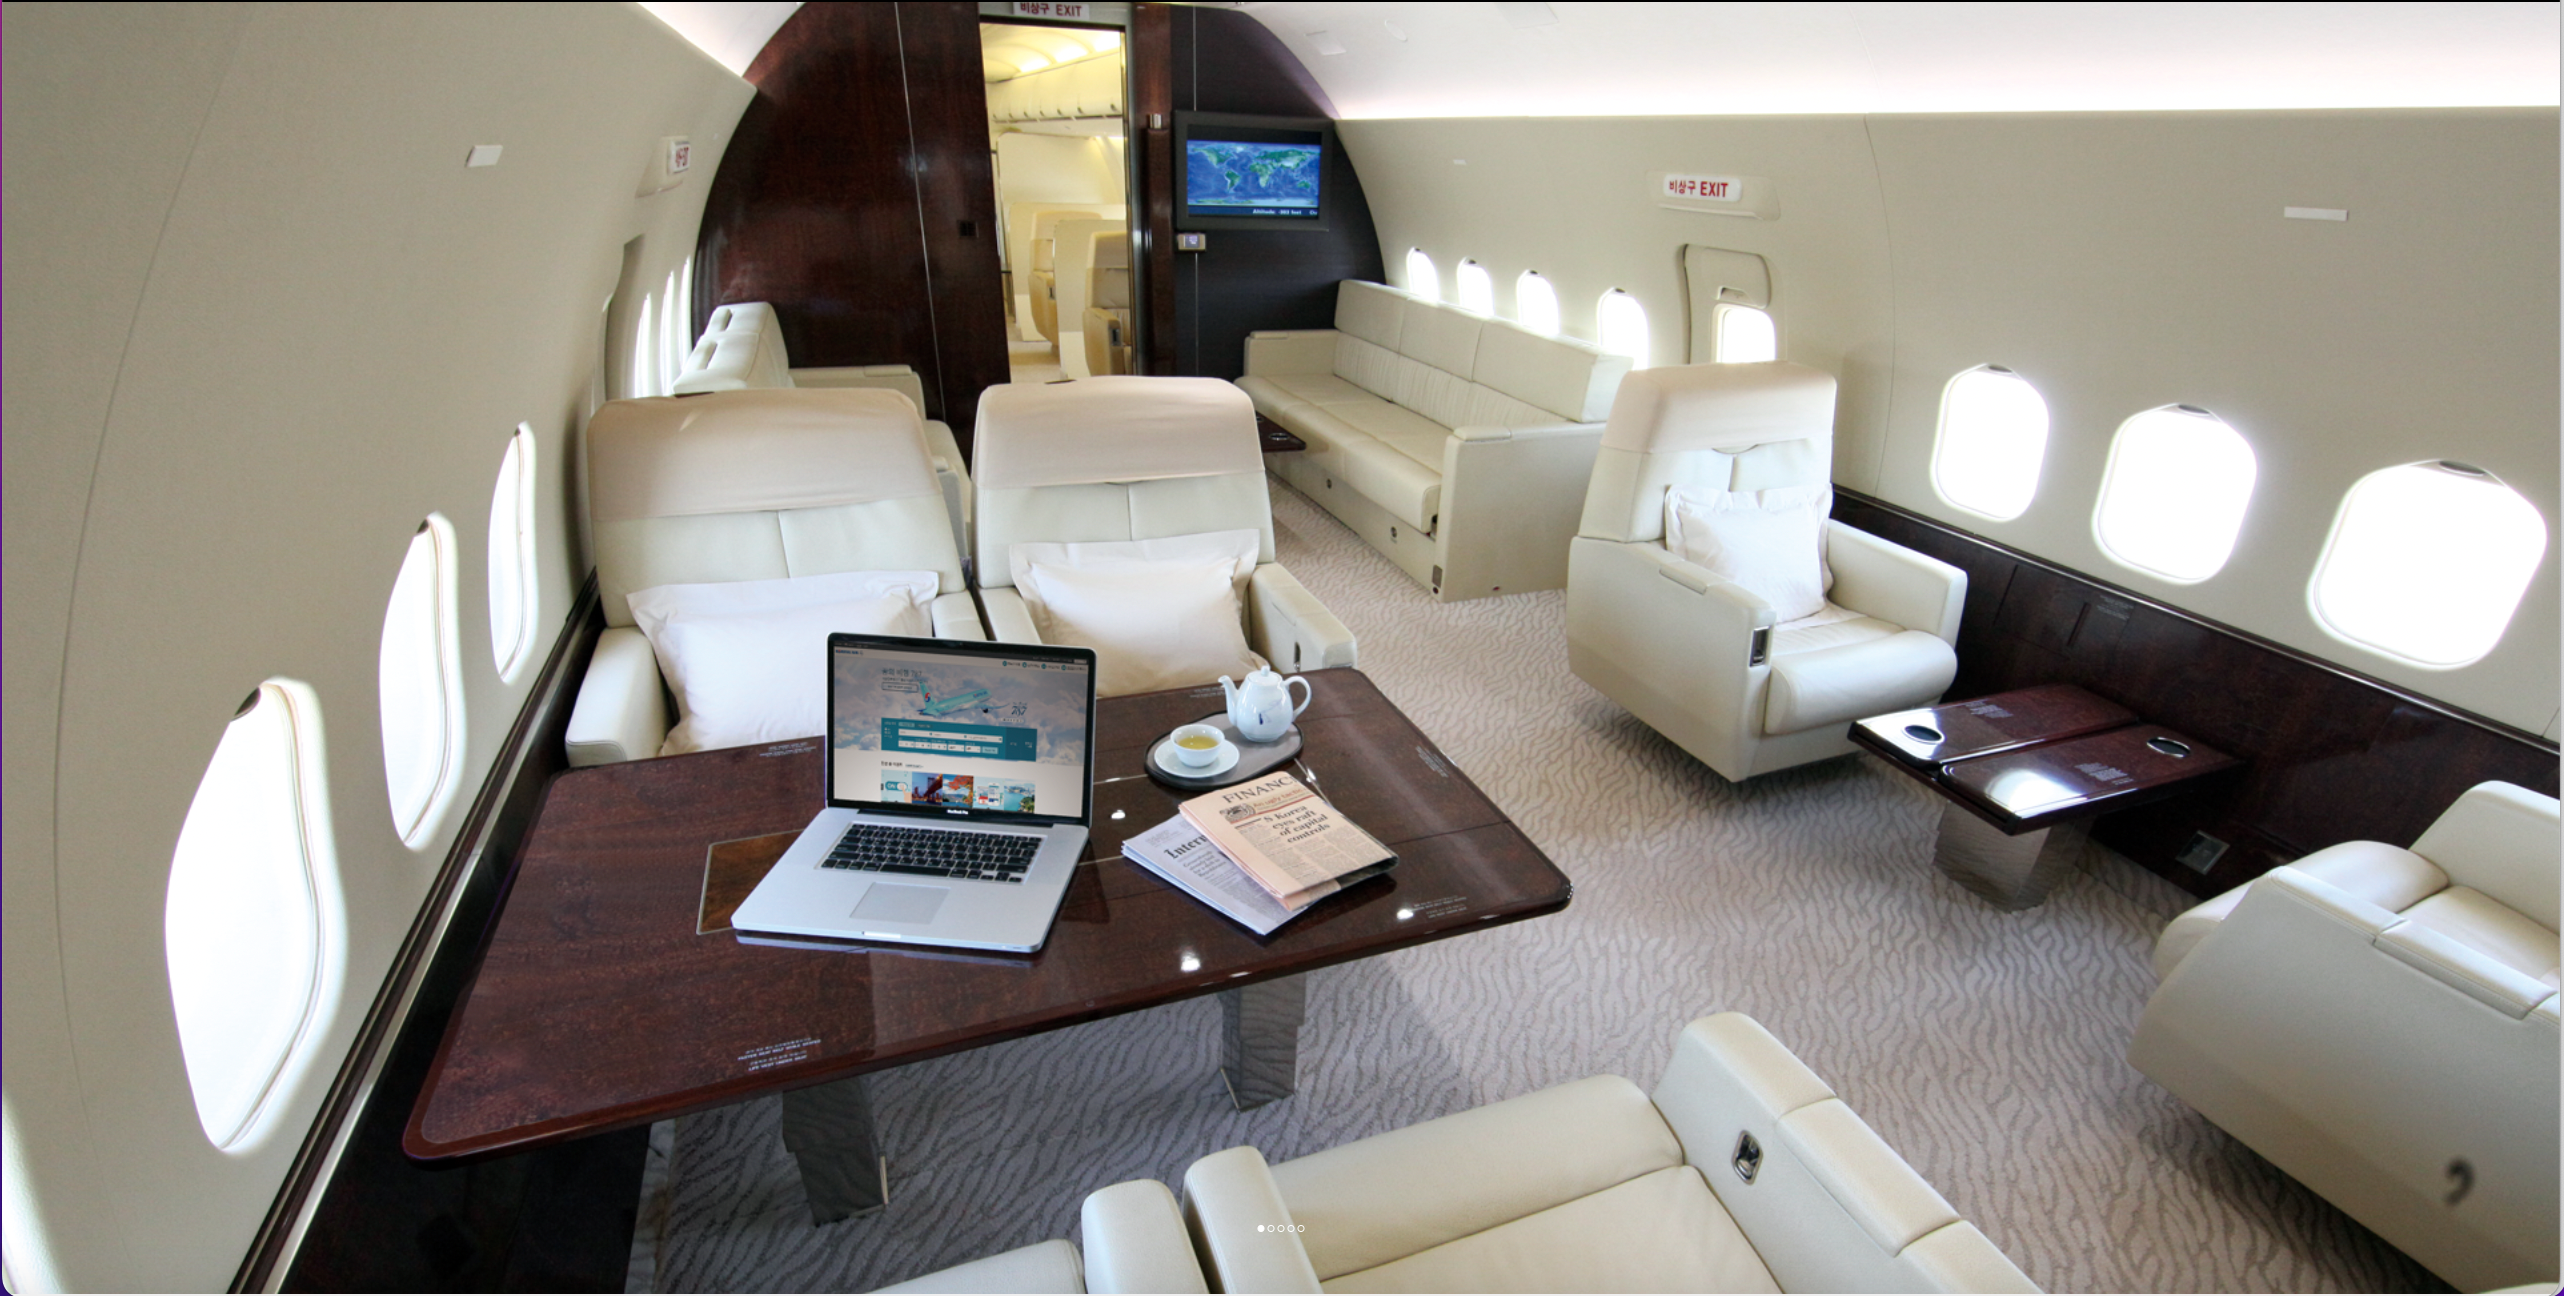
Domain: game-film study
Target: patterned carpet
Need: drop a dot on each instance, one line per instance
(1984, 1046)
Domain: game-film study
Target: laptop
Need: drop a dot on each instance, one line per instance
(960, 779)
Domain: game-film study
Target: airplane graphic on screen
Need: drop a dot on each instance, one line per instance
(936, 706)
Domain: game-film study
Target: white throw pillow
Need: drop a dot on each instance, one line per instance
(748, 660)
(1772, 542)
(1159, 614)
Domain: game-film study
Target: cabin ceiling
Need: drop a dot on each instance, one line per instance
(1615, 60)
(1595, 60)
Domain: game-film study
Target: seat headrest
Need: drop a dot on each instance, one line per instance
(753, 450)
(1113, 429)
(1726, 407)
(1112, 251)
(754, 317)
(1109, 288)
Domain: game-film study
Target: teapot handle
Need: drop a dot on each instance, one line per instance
(1308, 693)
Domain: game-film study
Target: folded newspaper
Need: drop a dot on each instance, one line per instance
(1177, 851)
(1182, 853)
(1287, 838)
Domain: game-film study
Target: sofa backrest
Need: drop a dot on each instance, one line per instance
(1461, 369)
(1115, 458)
(759, 484)
(1713, 426)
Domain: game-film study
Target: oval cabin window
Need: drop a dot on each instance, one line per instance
(1535, 304)
(1742, 335)
(512, 585)
(1422, 278)
(421, 684)
(1477, 288)
(1623, 324)
(2174, 494)
(2427, 562)
(252, 919)
(1992, 440)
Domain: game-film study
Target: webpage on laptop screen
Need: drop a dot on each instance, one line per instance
(990, 733)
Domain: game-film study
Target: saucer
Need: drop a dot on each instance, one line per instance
(1222, 761)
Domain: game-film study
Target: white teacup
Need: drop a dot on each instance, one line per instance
(1196, 745)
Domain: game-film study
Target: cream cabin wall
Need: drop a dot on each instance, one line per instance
(261, 320)
(2119, 262)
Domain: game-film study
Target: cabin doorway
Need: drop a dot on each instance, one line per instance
(1058, 137)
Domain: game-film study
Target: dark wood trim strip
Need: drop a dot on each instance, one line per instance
(483, 848)
(2299, 656)
(1152, 73)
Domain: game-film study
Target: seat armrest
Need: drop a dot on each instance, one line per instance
(1881, 578)
(1287, 624)
(1290, 351)
(1240, 1224)
(956, 617)
(1009, 621)
(1135, 1241)
(622, 711)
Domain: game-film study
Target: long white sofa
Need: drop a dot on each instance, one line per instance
(1455, 444)
(742, 347)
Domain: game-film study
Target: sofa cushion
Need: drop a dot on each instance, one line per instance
(1387, 477)
(1441, 336)
(1571, 379)
(1403, 430)
(1833, 627)
(1316, 389)
(1834, 685)
(1662, 1232)
(1369, 311)
(1368, 365)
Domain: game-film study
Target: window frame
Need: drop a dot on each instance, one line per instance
(1548, 326)
(2118, 463)
(1941, 442)
(1431, 273)
(2333, 551)
(417, 825)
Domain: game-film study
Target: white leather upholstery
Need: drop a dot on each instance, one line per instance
(1676, 644)
(1107, 329)
(1593, 1186)
(1136, 1240)
(1454, 444)
(2370, 1017)
(1134, 458)
(752, 484)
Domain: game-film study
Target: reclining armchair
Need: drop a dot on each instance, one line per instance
(1131, 459)
(747, 485)
(2381, 1024)
(1703, 659)
(1742, 1173)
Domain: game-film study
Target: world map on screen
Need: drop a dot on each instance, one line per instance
(1236, 174)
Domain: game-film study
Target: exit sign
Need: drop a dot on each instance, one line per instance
(1039, 9)
(1698, 188)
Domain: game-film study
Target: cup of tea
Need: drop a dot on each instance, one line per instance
(1196, 744)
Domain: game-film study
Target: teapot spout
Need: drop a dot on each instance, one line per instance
(1228, 689)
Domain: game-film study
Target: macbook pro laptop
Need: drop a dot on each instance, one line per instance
(960, 779)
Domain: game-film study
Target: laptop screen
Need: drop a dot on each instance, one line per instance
(918, 726)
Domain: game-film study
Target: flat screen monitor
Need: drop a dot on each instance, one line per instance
(1253, 172)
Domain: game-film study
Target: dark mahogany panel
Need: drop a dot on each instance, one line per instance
(1152, 49)
(856, 197)
(2329, 755)
(1223, 60)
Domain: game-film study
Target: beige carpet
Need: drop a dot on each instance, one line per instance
(1984, 1046)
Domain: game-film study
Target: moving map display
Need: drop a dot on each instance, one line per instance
(1225, 177)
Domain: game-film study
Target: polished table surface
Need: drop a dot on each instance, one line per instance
(2030, 758)
(598, 1005)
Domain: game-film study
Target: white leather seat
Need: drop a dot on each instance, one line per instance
(1135, 1242)
(753, 484)
(1108, 306)
(1594, 1186)
(1704, 661)
(1133, 458)
(2381, 1024)
(1042, 281)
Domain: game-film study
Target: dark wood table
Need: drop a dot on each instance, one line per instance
(2022, 774)
(610, 992)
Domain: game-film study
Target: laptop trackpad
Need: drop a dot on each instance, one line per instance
(891, 902)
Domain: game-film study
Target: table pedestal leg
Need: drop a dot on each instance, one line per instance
(2011, 873)
(829, 1130)
(1260, 1039)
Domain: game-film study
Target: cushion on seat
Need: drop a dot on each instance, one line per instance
(1832, 686)
(1834, 627)
(1772, 542)
(2492, 929)
(1403, 430)
(1317, 389)
(746, 660)
(1159, 614)
(1390, 1196)
(1661, 1232)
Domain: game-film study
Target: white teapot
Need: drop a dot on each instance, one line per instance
(1261, 707)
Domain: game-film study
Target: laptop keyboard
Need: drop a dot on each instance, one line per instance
(994, 857)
